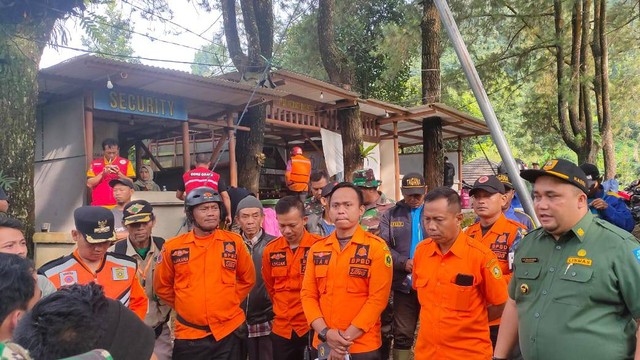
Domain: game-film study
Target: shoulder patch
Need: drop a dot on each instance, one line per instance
(388, 261)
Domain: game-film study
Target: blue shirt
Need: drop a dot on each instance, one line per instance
(416, 229)
(616, 212)
(328, 228)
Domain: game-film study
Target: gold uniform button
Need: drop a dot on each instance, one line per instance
(524, 288)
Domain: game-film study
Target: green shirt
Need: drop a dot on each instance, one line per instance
(577, 297)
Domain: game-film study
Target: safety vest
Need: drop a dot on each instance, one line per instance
(198, 177)
(117, 275)
(298, 179)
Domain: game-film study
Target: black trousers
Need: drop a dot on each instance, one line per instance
(208, 348)
(406, 311)
(291, 349)
(386, 329)
(371, 355)
(260, 348)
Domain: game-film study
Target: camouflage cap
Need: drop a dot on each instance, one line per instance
(365, 178)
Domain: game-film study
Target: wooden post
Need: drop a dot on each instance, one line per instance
(396, 161)
(186, 156)
(88, 129)
(233, 166)
(459, 163)
(88, 137)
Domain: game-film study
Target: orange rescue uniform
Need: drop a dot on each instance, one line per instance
(349, 286)
(117, 274)
(504, 235)
(282, 272)
(204, 279)
(298, 173)
(454, 290)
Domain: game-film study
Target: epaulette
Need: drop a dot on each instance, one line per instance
(621, 234)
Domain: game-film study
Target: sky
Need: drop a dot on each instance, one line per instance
(186, 14)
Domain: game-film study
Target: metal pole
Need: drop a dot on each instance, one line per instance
(485, 106)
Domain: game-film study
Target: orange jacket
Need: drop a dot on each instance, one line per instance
(298, 173)
(282, 272)
(204, 280)
(117, 274)
(453, 317)
(503, 235)
(349, 286)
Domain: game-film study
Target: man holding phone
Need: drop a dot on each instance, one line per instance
(459, 284)
(102, 171)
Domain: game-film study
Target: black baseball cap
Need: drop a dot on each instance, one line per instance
(95, 223)
(124, 181)
(504, 179)
(137, 211)
(562, 169)
(490, 184)
(328, 189)
(592, 172)
(413, 184)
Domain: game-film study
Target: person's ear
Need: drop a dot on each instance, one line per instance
(75, 234)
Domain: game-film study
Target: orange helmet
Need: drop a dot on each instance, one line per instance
(296, 150)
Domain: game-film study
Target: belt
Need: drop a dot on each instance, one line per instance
(191, 325)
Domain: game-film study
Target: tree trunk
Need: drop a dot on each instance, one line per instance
(433, 144)
(601, 86)
(249, 148)
(573, 102)
(258, 23)
(433, 150)
(19, 59)
(341, 73)
(351, 130)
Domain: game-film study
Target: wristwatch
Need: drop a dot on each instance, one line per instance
(322, 335)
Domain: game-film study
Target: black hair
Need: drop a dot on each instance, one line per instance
(346, 184)
(202, 159)
(17, 284)
(287, 203)
(444, 192)
(109, 142)
(318, 175)
(68, 322)
(7, 222)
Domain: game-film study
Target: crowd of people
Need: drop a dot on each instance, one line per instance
(346, 272)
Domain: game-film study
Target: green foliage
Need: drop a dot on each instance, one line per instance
(109, 33)
(214, 53)
(360, 30)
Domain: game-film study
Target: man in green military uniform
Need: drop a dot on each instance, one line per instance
(313, 205)
(375, 201)
(575, 293)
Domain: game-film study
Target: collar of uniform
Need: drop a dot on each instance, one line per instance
(499, 224)
(459, 247)
(357, 237)
(580, 229)
(307, 239)
(131, 251)
(202, 241)
(76, 255)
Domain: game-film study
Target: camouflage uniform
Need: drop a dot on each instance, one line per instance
(313, 207)
(370, 221)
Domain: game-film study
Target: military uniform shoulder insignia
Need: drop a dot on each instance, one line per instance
(492, 265)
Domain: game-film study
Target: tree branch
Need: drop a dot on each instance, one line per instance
(238, 57)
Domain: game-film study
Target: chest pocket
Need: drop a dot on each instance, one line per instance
(228, 270)
(279, 275)
(526, 274)
(458, 297)
(576, 280)
(421, 284)
(182, 276)
(358, 279)
(321, 278)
